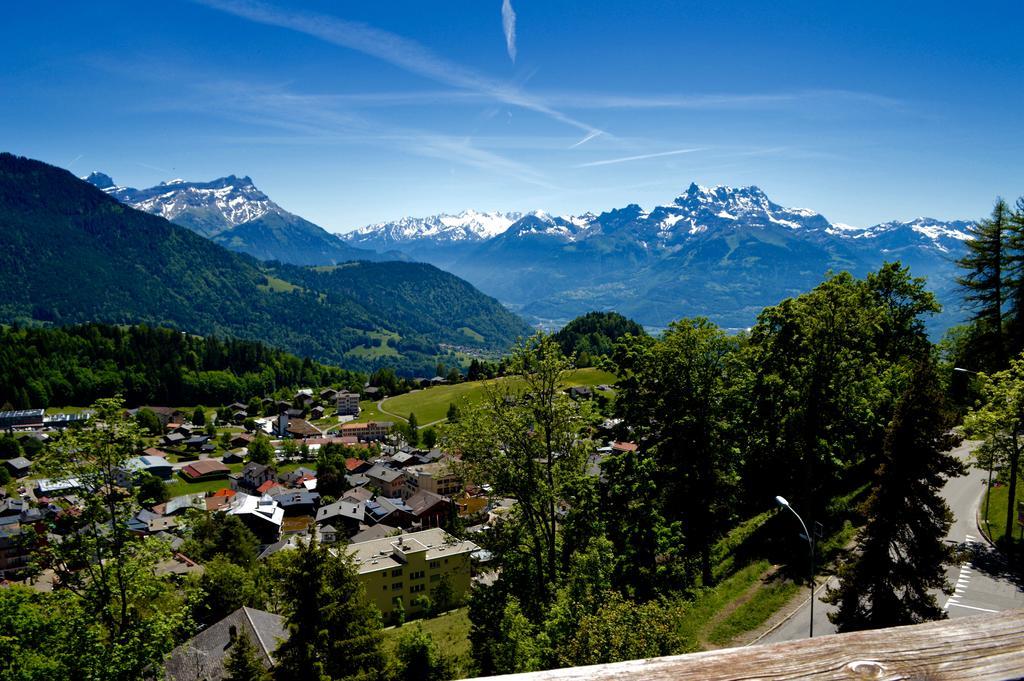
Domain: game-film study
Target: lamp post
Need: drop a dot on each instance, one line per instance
(781, 501)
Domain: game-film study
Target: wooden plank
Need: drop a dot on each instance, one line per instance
(977, 648)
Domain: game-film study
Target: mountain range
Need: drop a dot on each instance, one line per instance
(72, 253)
(721, 252)
(232, 212)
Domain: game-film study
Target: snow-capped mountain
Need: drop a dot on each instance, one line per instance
(464, 227)
(724, 252)
(234, 213)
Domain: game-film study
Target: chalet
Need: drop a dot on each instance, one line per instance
(437, 478)
(344, 515)
(316, 412)
(390, 512)
(19, 466)
(204, 656)
(172, 439)
(261, 514)
(373, 392)
(347, 403)
(233, 457)
(164, 414)
(205, 469)
(387, 481)
(353, 466)
(431, 510)
(368, 431)
(294, 477)
(328, 395)
(239, 416)
(297, 502)
(253, 475)
(282, 406)
(242, 440)
(302, 429)
(196, 442)
(237, 406)
(148, 522)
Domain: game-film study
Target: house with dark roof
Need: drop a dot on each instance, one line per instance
(19, 466)
(297, 501)
(431, 510)
(301, 428)
(386, 480)
(253, 475)
(205, 654)
(345, 515)
(391, 512)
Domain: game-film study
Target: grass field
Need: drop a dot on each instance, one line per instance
(431, 404)
(450, 631)
(178, 486)
(370, 412)
(997, 512)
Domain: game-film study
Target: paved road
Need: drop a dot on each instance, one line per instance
(982, 584)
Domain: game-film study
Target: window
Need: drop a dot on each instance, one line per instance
(416, 588)
(397, 586)
(397, 572)
(434, 564)
(417, 575)
(385, 587)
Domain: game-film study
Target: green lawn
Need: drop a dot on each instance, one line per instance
(431, 404)
(997, 512)
(369, 412)
(450, 631)
(179, 486)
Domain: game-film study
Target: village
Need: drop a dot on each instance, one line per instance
(403, 513)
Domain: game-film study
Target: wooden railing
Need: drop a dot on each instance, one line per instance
(976, 648)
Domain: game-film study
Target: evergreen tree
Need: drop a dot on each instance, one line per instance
(1015, 265)
(453, 413)
(985, 282)
(419, 658)
(334, 632)
(199, 417)
(243, 664)
(901, 553)
(414, 430)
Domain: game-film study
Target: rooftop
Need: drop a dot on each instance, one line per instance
(388, 552)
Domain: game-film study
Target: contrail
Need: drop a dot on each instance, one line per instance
(636, 158)
(586, 139)
(508, 22)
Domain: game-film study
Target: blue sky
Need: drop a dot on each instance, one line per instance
(352, 112)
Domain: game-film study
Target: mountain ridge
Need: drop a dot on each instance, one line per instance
(234, 213)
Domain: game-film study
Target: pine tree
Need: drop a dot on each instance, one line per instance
(334, 632)
(901, 554)
(985, 281)
(243, 664)
(414, 430)
(1015, 266)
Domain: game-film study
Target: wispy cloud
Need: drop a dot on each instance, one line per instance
(73, 161)
(718, 101)
(586, 139)
(393, 49)
(641, 157)
(508, 23)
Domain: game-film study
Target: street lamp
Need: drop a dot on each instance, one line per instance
(965, 371)
(781, 501)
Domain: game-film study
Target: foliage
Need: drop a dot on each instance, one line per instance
(115, 264)
(107, 570)
(418, 658)
(675, 391)
(260, 449)
(334, 632)
(76, 365)
(822, 374)
(901, 553)
(150, 489)
(999, 420)
(985, 284)
(594, 335)
(212, 535)
(242, 663)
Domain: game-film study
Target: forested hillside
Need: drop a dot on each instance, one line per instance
(76, 365)
(71, 254)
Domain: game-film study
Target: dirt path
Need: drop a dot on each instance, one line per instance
(732, 607)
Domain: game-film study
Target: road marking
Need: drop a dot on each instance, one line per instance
(970, 607)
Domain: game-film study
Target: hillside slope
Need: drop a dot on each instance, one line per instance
(69, 253)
